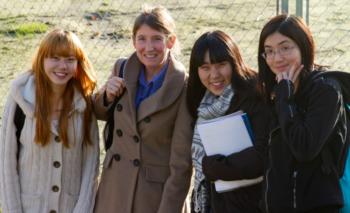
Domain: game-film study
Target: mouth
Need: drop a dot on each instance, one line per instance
(281, 68)
(218, 84)
(150, 55)
(60, 74)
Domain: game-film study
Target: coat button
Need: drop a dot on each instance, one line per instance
(53, 211)
(136, 139)
(55, 188)
(119, 133)
(57, 139)
(56, 164)
(136, 162)
(119, 107)
(147, 119)
(116, 157)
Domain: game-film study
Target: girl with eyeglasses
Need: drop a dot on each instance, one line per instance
(309, 120)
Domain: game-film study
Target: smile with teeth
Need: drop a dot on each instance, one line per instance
(60, 74)
(150, 56)
(217, 84)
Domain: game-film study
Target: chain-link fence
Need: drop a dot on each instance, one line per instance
(104, 26)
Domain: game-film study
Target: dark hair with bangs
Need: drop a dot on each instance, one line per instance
(221, 47)
(294, 28)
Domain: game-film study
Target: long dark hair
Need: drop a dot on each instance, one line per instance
(221, 47)
(294, 28)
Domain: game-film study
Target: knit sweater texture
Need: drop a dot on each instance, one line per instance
(46, 178)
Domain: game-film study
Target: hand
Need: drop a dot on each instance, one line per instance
(292, 74)
(114, 87)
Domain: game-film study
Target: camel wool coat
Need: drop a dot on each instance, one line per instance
(148, 167)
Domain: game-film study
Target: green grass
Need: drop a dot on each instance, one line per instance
(26, 29)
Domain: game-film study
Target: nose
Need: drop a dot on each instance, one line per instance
(149, 46)
(63, 64)
(278, 56)
(214, 72)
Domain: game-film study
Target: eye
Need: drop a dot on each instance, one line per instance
(204, 67)
(158, 38)
(224, 63)
(269, 51)
(72, 59)
(140, 38)
(286, 48)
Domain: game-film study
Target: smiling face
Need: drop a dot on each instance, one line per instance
(60, 69)
(215, 77)
(152, 47)
(281, 53)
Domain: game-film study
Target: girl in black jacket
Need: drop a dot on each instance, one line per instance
(309, 126)
(220, 83)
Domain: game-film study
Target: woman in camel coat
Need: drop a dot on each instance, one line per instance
(147, 169)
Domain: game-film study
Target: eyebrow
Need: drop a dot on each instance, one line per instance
(282, 42)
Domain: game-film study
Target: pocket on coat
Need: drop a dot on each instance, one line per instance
(157, 174)
(31, 203)
(68, 202)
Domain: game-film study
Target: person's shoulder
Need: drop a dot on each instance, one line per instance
(21, 80)
(319, 83)
(178, 65)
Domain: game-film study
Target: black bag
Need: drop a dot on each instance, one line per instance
(19, 122)
(343, 79)
(109, 126)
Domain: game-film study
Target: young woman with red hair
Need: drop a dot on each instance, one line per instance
(53, 165)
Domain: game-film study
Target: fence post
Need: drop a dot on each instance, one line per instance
(285, 6)
(299, 8)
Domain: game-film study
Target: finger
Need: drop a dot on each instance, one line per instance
(285, 75)
(291, 72)
(297, 72)
(279, 77)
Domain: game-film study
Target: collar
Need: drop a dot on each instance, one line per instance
(157, 80)
(23, 92)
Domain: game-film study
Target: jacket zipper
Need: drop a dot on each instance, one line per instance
(295, 174)
(268, 171)
(289, 94)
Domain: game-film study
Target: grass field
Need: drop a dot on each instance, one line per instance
(104, 27)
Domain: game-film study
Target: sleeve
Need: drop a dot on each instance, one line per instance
(90, 173)
(9, 179)
(99, 99)
(177, 185)
(306, 131)
(248, 163)
(99, 104)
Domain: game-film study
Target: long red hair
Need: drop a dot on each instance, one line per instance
(62, 43)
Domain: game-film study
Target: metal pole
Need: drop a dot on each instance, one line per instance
(285, 6)
(307, 11)
(299, 8)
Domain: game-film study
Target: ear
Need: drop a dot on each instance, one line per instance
(133, 42)
(171, 41)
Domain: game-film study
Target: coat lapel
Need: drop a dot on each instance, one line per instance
(167, 94)
(131, 73)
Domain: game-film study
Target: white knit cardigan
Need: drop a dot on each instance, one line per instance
(46, 178)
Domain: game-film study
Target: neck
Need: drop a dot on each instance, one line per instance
(149, 74)
(56, 97)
